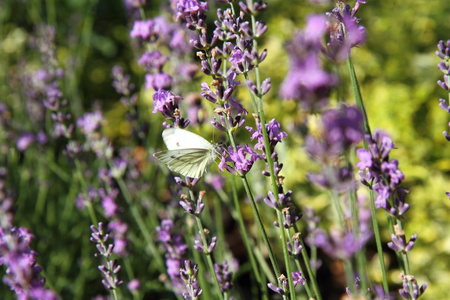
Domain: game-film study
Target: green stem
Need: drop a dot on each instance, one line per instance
(311, 273)
(201, 230)
(360, 105)
(377, 234)
(245, 238)
(86, 196)
(141, 224)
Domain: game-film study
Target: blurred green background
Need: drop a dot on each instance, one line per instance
(396, 69)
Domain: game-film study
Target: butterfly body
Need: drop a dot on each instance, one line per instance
(188, 153)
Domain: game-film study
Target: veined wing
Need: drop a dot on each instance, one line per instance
(176, 138)
(188, 162)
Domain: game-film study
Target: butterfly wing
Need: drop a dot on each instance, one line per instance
(188, 162)
(176, 138)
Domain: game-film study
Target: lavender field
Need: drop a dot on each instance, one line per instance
(222, 149)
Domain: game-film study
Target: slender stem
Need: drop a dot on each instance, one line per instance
(360, 105)
(261, 228)
(299, 267)
(311, 273)
(377, 234)
(201, 230)
(268, 152)
(357, 93)
(245, 238)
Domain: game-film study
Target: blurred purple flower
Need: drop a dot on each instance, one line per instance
(90, 122)
(22, 272)
(119, 231)
(340, 245)
(345, 31)
(121, 82)
(175, 250)
(109, 206)
(142, 29)
(224, 277)
(306, 81)
(158, 81)
(153, 61)
(134, 285)
(24, 141)
(342, 128)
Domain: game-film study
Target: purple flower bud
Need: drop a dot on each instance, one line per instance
(265, 86)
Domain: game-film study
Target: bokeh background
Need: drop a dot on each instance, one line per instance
(396, 69)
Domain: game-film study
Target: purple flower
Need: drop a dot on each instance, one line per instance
(224, 277)
(405, 292)
(342, 128)
(22, 272)
(158, 81)
(90, 122)
(134, 285)
(274, 134)
(365, 159)
(119, 231)
(189, 275)
(340, 245)
(298, 278)
(121, 82)
(193, 12)
(142, 29)
(345, 31)
(399, 243)
(109, 268)
(167, 104)
(109, 206)
(382, 175)
(306, 80)
(242, 159)
(24, 141)
(444, 67)
(175, 250)
(153, 61)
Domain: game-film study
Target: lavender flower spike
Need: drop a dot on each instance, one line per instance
(189, 275)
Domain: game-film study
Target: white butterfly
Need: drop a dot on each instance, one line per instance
(188, 153)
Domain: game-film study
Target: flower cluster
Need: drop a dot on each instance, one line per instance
(306, 80)
(189, 275)
(241, 159)
(161, 32)
(109, 268)
(340, 130)
(224, 276)
(43, 93)
(382, 174)
(167, 104)
(345, 31)
(175, 250)
(22, 272)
